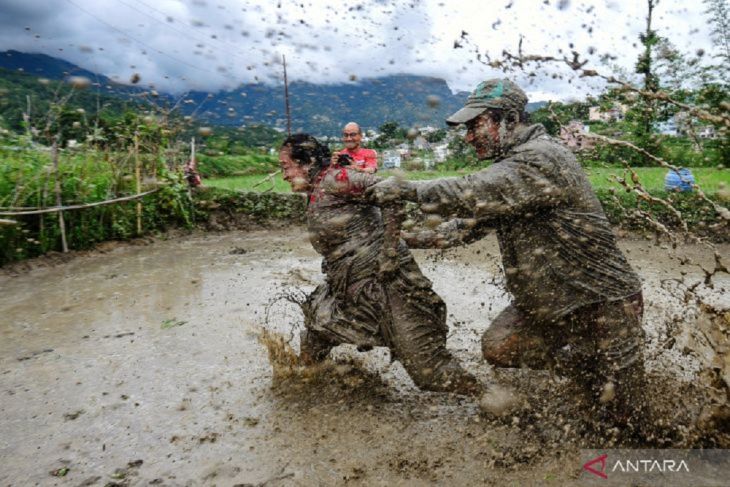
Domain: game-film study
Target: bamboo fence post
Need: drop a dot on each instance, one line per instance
(59, 202)
(137, 173)
(26, 119)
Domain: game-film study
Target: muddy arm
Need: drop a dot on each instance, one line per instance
(393, 216)
(510, 187)
(453, 233)
(349, 184)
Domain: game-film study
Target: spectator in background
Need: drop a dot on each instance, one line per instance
(364, 160)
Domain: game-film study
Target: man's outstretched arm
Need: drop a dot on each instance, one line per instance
(453, 233)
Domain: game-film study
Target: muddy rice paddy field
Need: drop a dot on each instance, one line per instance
(143, 365)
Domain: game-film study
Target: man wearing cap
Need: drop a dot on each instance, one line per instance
(363, 160)
(577, 302)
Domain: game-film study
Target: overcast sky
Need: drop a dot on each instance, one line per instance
(178, 45)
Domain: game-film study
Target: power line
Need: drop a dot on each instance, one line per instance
(137, 40)
(181, 21)
(187, 34)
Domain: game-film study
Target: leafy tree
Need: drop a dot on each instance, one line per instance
(564, 112)
(643, 112)
(719, 14)
(436, 136)
(390, 132)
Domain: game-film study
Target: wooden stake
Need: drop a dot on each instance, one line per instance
(286, 98)
(59, 202)
(137, 173)
(26, 118)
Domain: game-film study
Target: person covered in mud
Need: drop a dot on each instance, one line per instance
(365, 160)
(577, 302)
(374, 293)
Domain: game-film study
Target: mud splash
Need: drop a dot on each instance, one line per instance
(323, 382)
(91, 380)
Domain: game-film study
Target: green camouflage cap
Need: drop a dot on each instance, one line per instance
(500, 94)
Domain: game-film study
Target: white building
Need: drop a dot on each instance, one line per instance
(614, 114)
(440, 152)
(391, 159)
(707, 132)
(667, 127)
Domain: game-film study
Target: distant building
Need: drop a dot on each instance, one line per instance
(404, 150)
(391, 159)
(421, 143)
(440, 152)
(707, 132)
(614, 114)
(667, 127)
(572, 136)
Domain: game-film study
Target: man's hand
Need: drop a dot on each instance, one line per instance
(392, 190)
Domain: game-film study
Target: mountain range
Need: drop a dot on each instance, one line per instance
(320, 109)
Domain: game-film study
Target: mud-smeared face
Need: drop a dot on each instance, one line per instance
(295, 174)
(351, 136)
(483, 134)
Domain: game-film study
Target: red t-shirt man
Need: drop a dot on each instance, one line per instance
(365, 160)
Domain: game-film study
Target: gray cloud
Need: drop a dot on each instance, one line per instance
(178, 46)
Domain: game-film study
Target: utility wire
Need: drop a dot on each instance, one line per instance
(186, 34)
(182, 22)
(137, 40)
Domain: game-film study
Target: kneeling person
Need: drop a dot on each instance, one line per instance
(374, 294)
(576, 299)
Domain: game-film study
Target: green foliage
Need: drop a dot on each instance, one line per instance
(620, 208)
(238, 140)
(259, 207)
(462, 154)
(436, 136)
(564, 112)
(20, 91)
(390, 133)
(27, 180)
(252, 162)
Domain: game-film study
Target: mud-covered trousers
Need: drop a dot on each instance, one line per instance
(401, 312)
(599, 347)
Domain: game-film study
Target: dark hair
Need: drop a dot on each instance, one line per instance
(306, 150)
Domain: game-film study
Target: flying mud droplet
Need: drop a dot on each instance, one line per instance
(205, 131)
(79, 82)
(498, 401)
(608, 393)
(135, 78)
(432, 221)
(412, 133)
(433, 101)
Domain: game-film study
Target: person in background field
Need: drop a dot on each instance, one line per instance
(576, 300)
(364, 160)
(374, 293)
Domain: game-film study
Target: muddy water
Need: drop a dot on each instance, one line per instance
(143, 365)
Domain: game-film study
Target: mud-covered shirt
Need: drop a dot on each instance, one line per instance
(357, 304)
(342, 225)
(558, 250)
